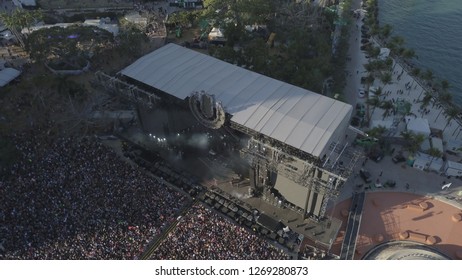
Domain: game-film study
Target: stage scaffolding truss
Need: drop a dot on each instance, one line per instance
(126, 90)
(325, 178)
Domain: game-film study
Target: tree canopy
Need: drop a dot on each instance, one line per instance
(66, 44)
(19, 19)
(242, 12)
(302, 54)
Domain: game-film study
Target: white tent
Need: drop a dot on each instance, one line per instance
(453, 168)
(100, 23)
(437, 143)
(7, 75)
(418, 126)
(103, 24)
(216, 35)
(384, 53)
(453, 146)
(136, 18)
(425, 145)
(427, 162)
(25, 3)
(384, 123)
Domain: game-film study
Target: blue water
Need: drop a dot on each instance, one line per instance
(433, 28)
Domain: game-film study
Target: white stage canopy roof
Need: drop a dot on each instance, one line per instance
(298, 117)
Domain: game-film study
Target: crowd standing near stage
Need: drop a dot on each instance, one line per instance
(203, 234)
(76, 199)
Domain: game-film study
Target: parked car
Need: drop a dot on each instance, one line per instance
(365, 175)
(376, 155)
(356, 121)
(361, 93)
(390, 184)
(365, 36)
(364, 41)
(398, 158)
(365, 47)
(360, 110)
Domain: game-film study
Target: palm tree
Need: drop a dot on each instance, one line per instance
(407, 135)
(386, 79)
(20, 19)
(387, 106)
(415, 71)
(378, 92)
(395, 45)
(324, 3)
(373, 52)
(444, 85)
(408, 54)
(451, 114)
(374, 102)
(377, 131)
(412, 141)
(445, 98)
(385, 32)
(13, 25)
(426, 100)
(434, 153)
(428, 76)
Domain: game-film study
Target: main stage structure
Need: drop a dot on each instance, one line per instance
(294, 140)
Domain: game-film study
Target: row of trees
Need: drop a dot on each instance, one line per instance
(382, 69)
(435, 93)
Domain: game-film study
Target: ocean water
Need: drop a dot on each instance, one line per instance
(433, 28)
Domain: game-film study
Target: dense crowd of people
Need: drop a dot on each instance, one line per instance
(76, 199)
(203, 234)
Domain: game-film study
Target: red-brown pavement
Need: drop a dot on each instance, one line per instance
(386, 214)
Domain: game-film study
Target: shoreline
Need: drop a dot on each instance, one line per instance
(409, 66)
(426, 183)
(418, 84)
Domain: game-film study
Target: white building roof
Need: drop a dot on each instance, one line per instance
(428, 161)
(7, 75)
(453, 165)
(419, 126)
(384, 53)
(30, 3)
(384, 123)
(216, 33)
(136, 18)
(454, 146)
(298, 117)
(113, 28)
(437, 143)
